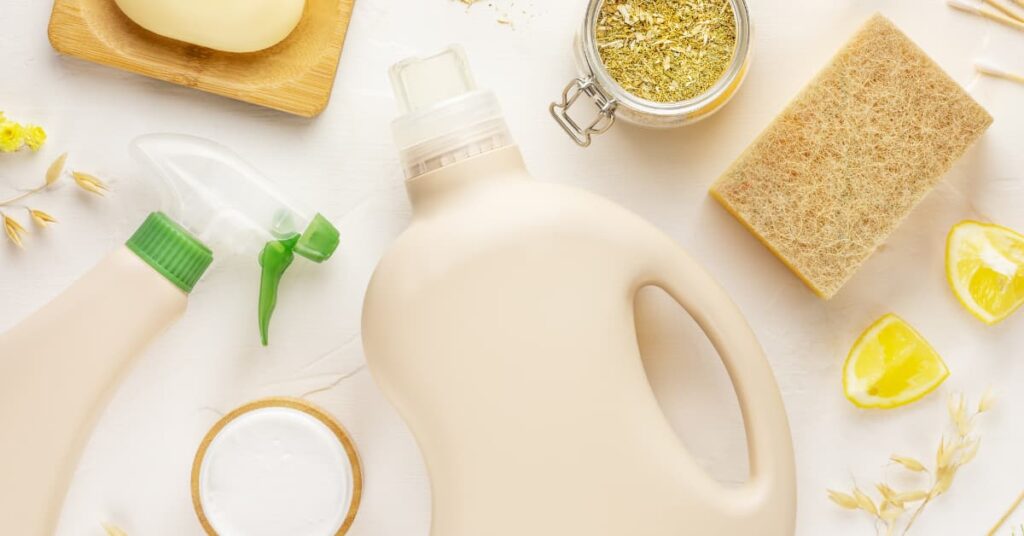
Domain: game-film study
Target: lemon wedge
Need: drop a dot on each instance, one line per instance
(891, 365)
(985, 267)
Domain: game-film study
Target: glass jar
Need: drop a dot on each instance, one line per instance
(613, 101)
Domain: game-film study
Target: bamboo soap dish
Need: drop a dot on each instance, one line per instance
(294, 76)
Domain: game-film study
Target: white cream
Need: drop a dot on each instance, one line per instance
(228, 25)
(274, 471)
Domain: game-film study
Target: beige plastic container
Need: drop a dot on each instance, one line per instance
(58, 367)
(501, 325)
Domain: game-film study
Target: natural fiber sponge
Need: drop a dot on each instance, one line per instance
(851, 156)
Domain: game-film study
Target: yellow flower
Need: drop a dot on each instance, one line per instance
(14, 230)
(35, 137)
(12, 137)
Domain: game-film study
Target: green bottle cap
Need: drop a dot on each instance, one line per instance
(319, 240)
(171, 250)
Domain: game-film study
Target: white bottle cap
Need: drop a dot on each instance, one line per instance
(445, 117)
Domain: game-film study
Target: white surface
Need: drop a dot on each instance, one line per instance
(284, 460)
(135, 472)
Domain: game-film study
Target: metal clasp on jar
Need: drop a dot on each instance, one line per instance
(605, 106)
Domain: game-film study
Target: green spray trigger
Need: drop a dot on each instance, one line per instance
(234, 209)
(275, 258)
(317, 243)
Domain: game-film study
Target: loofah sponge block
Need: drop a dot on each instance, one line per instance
(851, 156)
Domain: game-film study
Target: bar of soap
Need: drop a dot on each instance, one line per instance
(228, 25)
(842, 166)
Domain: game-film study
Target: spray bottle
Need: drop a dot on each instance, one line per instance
(58, 366)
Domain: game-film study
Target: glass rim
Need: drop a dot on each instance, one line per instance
(736, 68)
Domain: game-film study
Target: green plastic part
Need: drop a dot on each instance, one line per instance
(319, 240)
(275, 258)
(317, 243)
(171, 250)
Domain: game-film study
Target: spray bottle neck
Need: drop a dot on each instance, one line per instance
(232, 207)
(171, 250)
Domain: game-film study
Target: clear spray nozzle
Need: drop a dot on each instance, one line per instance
(232, 207)
(444, 117)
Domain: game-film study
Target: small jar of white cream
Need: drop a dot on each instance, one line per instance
(277, 466)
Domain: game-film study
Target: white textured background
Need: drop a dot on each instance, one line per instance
(135, 472)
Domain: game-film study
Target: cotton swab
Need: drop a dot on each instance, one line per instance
(991, 15)
(1005, 10)
(989, 69)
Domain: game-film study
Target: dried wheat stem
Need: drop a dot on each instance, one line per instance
(1009, 512)
(917, 513)
(954, 451)
(1005, 10)
(990, 15)
(22, 195)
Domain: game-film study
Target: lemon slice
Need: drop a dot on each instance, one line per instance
(985, 267)
(891, 365)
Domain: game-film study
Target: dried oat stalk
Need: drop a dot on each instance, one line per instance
(1006, 516)
(14, 229)
(896, 511)
(113, 530)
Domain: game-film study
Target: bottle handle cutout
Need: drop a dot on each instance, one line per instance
(770, 492)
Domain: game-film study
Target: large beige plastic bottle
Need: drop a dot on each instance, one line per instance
(59, 365)
(501, 326)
